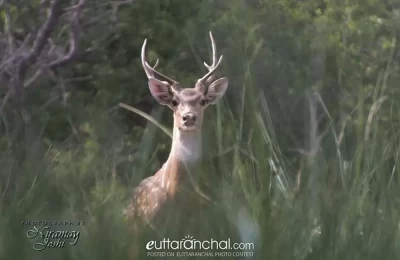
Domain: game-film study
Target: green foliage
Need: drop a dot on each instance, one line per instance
(305, 145)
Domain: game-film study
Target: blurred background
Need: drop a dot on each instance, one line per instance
(301, 154)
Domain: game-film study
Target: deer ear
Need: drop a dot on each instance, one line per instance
(217, 90)
(160, 91)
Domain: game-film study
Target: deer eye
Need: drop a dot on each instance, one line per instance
(174, 103)
(202, 102)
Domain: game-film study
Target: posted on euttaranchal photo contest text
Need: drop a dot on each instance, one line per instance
(59, 234)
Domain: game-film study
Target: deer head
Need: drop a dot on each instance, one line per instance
(188, 104)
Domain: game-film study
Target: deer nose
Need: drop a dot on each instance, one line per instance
(189, 119)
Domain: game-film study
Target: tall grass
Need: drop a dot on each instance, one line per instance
(336, 204)
(342, 208)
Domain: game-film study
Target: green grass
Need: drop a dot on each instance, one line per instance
(341, 201)
(345, 207)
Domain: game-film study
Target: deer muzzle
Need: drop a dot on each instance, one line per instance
(189, 119)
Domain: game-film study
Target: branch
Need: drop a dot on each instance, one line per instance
(74, 38)
(32, 79)
(5, 99)
(43, 34)
(7, 25)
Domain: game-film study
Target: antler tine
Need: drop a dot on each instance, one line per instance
(214, 57)
(155, 65)
(211, 68)
(150, 71)
(210, 73)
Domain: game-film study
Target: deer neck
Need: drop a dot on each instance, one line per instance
(183, 159)
(186, 147)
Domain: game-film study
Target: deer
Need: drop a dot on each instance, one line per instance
(170, 188)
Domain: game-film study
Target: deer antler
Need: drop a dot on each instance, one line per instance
(151, 72)
(207, 79)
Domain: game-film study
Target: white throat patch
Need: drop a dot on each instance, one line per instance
(187, 147)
